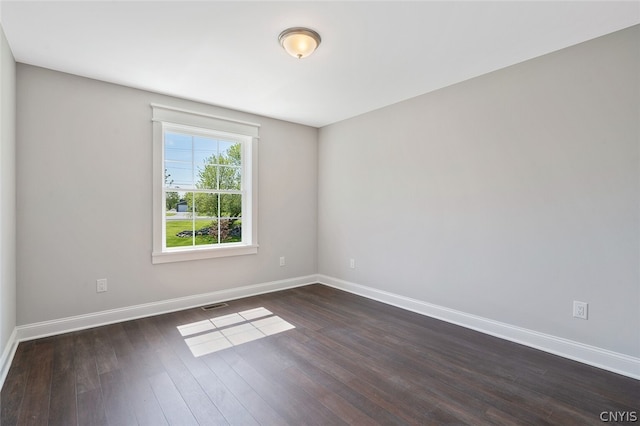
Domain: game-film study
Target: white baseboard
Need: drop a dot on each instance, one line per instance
(7, 356)
(591, 355)
(80, 322)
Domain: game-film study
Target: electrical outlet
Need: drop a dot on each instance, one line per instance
(580, 309)
(352, 263)
(282, 261)
(101, 285)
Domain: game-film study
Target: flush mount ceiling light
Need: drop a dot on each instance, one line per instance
(299, 42)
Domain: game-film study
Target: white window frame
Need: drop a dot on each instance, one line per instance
(166, 117)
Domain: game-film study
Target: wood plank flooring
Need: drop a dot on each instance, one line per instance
(349, 360)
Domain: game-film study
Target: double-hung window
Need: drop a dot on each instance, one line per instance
(205, 187)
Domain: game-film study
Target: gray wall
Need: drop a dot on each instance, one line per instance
(507, 196)
(84, 200)
(7, 192)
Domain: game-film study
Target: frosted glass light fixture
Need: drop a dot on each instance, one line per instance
(299, 42)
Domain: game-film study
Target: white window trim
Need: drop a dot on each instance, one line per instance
(165, 115)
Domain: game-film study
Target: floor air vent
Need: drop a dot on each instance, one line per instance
(214, 306)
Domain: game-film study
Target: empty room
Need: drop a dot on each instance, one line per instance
(319, 213)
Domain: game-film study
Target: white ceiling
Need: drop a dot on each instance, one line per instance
(227, 53)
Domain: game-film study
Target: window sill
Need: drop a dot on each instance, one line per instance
(204, 253)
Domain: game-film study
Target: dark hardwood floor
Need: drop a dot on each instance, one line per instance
(348, 360)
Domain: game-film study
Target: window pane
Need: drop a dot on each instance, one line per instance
(234, 231)
(230, 205)
(230, 178)
(179, 221)
(206, 230)
(179, 232)
(206, 205)
(178, 169)
(171, 202)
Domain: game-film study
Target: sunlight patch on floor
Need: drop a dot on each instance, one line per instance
(230, 330)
